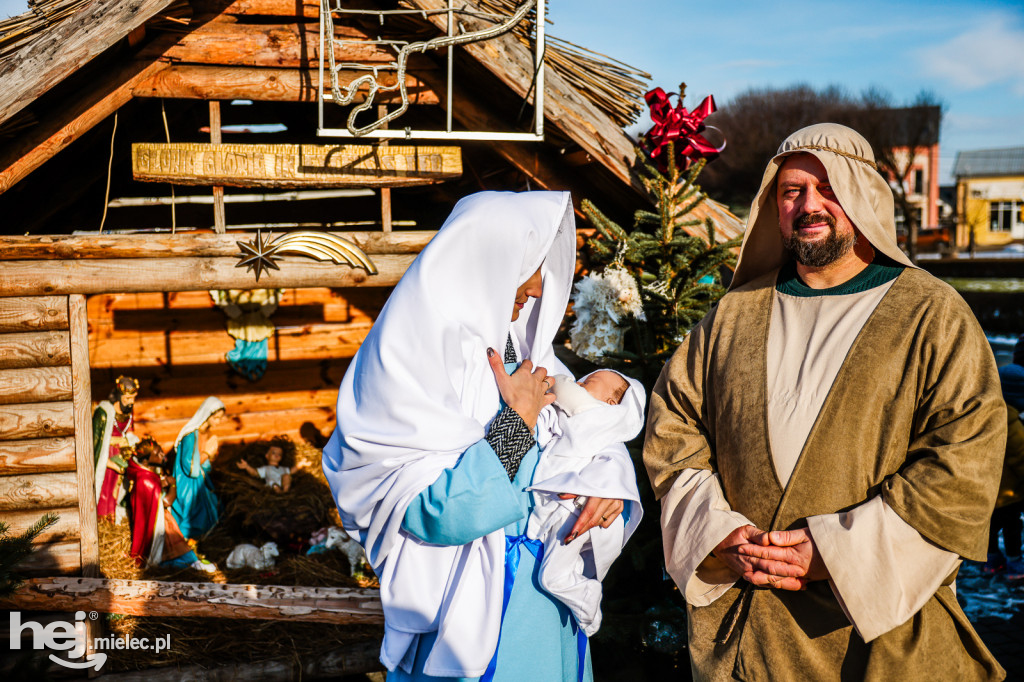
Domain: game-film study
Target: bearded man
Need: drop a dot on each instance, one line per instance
(113, 428)
(826, 443)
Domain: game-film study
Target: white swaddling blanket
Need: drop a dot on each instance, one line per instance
(584, 454)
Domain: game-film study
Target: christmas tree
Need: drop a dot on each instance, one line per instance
(676, 276)
(650, 285)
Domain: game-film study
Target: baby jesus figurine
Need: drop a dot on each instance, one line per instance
(277, 477)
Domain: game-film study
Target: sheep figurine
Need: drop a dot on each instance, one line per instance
(338, 538)
(252, 556)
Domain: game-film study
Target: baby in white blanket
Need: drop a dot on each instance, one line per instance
(605, 409)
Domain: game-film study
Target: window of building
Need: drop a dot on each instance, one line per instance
(1003, 215)
(918, 177)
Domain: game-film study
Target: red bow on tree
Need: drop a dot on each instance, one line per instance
(676, 124)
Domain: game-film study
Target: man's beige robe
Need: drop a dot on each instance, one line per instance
(914, 416)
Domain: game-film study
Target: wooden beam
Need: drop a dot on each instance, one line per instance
(187, 245)
(282, 166)
(35, 385)
(66, 47)
(85, 469)
(38, 491)
(309, 9)
(36, 313)
(35, 349)
(196, 81)
(218, 190)
(291, 45)
(211, 600)
(65, 529)
(37, 455)
(62, 558)
(62, 127)
(564, 106)
(29, 278)
(39, 420)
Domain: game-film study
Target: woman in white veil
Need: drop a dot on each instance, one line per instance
(434, 447)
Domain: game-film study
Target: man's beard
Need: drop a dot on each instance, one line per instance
(820, 252)
(125, 410)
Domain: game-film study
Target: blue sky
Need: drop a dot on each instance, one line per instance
(971, 55)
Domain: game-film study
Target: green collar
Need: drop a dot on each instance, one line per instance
(878, 272)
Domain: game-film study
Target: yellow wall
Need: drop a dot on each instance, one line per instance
(975, 196)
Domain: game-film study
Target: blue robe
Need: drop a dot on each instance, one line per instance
(538, 638)
(195, 507)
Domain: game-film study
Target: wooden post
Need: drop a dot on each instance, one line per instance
(219, 224)
(385, 192)
(81, 389)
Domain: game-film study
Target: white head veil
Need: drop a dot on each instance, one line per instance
(420, 391)
(205, 411)
(860, 188)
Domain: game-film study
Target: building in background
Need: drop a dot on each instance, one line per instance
(990, 197)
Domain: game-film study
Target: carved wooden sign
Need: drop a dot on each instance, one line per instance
(294, 165)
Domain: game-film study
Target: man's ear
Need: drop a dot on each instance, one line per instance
(610, 401)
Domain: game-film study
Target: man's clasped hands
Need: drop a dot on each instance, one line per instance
(783, 559)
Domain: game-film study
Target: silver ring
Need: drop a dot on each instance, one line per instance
(604, 518)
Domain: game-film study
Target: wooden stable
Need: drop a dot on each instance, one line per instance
(106, 267)
(46, 427)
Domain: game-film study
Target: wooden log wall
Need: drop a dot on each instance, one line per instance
(45, 430)
(175, 344)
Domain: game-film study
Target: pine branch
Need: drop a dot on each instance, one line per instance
(15, 549)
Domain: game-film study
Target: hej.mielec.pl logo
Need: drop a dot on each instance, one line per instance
(72, 638)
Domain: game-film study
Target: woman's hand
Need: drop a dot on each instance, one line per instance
(598, 511)
(525, 390)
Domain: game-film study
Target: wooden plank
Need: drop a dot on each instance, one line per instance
(39, 420)
(35, 385)
(248, 426)
(310, 9)
(199, 381)
(35, 349)
(184, 244)
(37, 455)
(35, 313)
(219, 222)
(183, 407)
(211, 600)
(65, 529)
(183, 347)
(60, 127)
(38, 491)
(27, 278)
(198, 81)
(291, 45)
(85, 469)
(291, 165)
(66, 47)
(62, 558)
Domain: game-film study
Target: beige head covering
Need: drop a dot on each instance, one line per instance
(860, 188)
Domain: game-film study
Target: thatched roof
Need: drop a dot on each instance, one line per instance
(615, 88)
(57, 50)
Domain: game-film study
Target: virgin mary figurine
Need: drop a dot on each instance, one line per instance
(195, 507)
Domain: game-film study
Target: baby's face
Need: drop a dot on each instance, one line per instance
(274, 456)
(606, 386)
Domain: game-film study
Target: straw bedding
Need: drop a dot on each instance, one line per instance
(253, 513)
